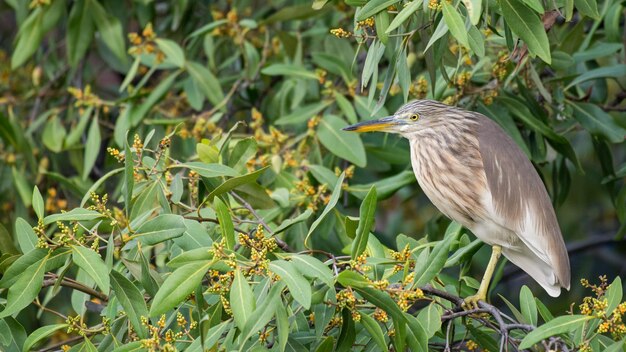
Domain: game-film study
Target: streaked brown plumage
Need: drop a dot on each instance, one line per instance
(476, 175)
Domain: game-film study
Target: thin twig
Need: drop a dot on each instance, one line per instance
(75, 285)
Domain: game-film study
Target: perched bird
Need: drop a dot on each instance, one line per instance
(475, 174)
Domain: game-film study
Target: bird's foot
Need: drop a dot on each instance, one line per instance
(471, 302)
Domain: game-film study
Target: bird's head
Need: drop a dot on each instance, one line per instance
(411, 118)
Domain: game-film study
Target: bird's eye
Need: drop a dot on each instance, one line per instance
(414, 117)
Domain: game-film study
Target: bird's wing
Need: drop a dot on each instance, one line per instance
(520, 200)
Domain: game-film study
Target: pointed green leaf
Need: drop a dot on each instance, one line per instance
(456, 23)
(367, 215)
(92, 147)
(559, 325)
(131, 300)
(76, 214)
(375, 331)
(408, 10)
(178, 286)
(313, 268)
(242, 300)
(528, 305)
(526, 24)
(437, 258)
(334, 197)
(344, 144)
(41, 334)
(26, 288)
(38, 205)
(226, 223)
(162, 228)
(93, 265)
(299, 287)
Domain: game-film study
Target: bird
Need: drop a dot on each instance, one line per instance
(476, 175)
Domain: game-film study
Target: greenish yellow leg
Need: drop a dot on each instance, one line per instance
(472, 301)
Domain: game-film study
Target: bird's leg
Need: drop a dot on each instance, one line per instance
(471, 302)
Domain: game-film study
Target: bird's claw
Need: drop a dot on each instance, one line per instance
(471, 302)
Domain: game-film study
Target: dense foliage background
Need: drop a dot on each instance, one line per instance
(174, 174)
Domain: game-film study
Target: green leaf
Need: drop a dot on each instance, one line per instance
(327, 345)
(299, 288)
(41, 334)
(290, 222)
(347, 336)
(456, 23)
(374, 54)
(303, 114)
(616, 347)
(208, 170)
(375, 332)
(206, 81)
(131, 300)
(242, 300)
(38, 205)
(613, 295)
(162, 228)
(215, 333)
(208, 153)
(430, 318)
(373, 7)
(173, 52)
(311, 267)
(129, 178)
(110, 29)
(93, 265)
(416, 334)
(535, 5)
(282, 327)
(54, 134)
(344, 144)
(334, 197)
(543, 310)
(367, 215)
(598, 122)
(289, 70)
(26, 288)
(588, 8)
(346, 107)
(11, 275)
(80, 28)
(178, 286)
(437, 258)
(226, 223)
(76, 214)
(138, 113)
(235, 182)
(403, 15)
(385, 187)
(526, 24)
(528, 305)
(476, 41)
(26, 237)
(92, 147)
(615, 71)
(29, 37)
(559, 325)
(264, 312)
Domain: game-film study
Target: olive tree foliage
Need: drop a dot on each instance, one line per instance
(175, 176)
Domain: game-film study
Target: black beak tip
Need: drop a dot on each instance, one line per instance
(349, 128)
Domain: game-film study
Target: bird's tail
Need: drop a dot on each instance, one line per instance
(534, 266)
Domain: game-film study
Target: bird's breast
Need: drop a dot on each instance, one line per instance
(451, 175)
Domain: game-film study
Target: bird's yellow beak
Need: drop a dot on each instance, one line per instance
(380, 125)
